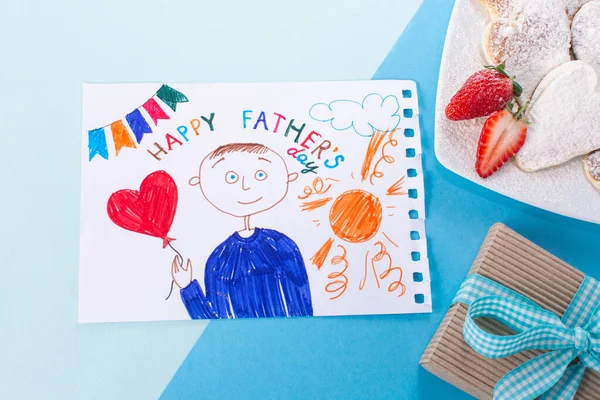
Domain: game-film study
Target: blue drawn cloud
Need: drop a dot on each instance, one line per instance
(375, 112)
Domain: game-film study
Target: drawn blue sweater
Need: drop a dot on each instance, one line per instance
(259, 276)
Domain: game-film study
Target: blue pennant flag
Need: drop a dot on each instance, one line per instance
(138, 124)
(97, 143)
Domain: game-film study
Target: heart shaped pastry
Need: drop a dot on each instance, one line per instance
(531, 44)
(573, 6)
(504, 8)
(564, 116)
(512, 8)
(586, 34)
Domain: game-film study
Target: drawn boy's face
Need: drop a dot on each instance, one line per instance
(243, 183)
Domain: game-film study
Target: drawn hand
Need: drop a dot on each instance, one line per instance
(182, 276)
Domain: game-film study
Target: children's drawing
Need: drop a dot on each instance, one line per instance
(150, 210)
(97, 141)
(273, 213)
(355, 216)
(373, 113)
(255, 272)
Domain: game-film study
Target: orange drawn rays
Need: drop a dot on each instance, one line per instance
(314, 204)
(321, 255)
(396, 188)
(383, 157)
(374, 143)
(389, 240)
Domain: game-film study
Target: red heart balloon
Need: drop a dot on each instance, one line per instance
(150, 210)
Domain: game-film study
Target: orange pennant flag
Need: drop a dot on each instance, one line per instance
(120, 136)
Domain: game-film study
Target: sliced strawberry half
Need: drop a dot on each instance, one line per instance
(502, 136)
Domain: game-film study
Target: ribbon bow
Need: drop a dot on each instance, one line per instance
(576, 335)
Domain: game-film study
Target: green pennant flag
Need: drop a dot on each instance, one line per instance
(171, 96)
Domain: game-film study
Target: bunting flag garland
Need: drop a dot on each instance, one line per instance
(97, 144)
(154, 110)
(120, 136)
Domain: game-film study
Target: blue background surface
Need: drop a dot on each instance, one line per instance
(377, 357)
(49, 48)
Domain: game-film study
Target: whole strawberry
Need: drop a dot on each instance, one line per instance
(485, 92)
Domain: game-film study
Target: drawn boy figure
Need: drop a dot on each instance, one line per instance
(255, 272)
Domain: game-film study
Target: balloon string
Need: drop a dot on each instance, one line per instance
(178, 253)
(170, 291)
(181, 261)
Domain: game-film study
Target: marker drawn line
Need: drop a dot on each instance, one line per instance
(138, 107)
(314, 204)
(388, 238)
(318, 187)
(339, 279)
(396, 188)
(181, 261)
(372, 148)
(386, 158)
(379, 257)
(321, 255)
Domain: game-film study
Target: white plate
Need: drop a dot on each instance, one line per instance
(563, 189)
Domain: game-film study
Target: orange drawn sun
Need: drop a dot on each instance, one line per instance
(356, 216)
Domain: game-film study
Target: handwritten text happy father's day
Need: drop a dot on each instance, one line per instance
(309, 149)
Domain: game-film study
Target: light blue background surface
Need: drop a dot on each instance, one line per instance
(49, 48)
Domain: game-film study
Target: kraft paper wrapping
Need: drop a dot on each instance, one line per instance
(515, 262)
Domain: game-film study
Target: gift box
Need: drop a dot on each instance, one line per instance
(515, 263)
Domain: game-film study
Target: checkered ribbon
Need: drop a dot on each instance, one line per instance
(552, 375)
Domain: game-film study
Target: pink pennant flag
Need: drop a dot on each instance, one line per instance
(156, 113)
